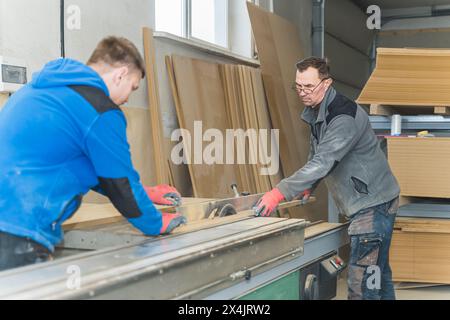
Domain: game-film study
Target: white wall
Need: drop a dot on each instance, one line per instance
(101, 18)
(240, 29)
(29, 30)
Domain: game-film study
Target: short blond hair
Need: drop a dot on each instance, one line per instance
(118, 51)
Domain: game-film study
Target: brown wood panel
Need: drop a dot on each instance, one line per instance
(251, 120)
(235, 112)
(421, 166)
(279, 49)
(201, 97)
(432, 257)
(247, 110)
(92, 214)
(420, 250)
(410, 78)
(159, 153)
(402, 256)
(263, 119)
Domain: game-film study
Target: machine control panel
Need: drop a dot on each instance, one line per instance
(334, 265)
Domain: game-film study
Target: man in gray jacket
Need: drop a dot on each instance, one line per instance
(346, 153)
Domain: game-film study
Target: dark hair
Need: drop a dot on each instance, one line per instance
(321, 65)
(118, 51)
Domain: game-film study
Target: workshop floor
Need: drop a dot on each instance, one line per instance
(428, 293)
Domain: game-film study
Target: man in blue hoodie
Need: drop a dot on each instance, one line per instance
(63, 135)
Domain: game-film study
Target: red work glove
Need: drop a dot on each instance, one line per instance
(305, 195)
(171, 221)
(268, 203)
(164, 195)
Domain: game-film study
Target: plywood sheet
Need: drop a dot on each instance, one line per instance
(236, 118)
(279, 49)
(159, 153)
(248, 77)
(91, 214)
(402, 256)
(263, 120)
(199, 96)
(247, 110)
(320, 228)
(420, 250)
(421, 166)
(409, 77)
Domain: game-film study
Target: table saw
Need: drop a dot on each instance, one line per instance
(224, 252)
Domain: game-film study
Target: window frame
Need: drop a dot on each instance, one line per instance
(187, 25)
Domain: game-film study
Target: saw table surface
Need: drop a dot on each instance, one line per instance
(199, 260)
(175, 266)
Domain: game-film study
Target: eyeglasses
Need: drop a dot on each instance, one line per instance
(298, 89)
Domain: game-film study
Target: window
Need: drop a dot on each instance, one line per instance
(170, 16)
(205, 20)
(209, 21)
(222, 22)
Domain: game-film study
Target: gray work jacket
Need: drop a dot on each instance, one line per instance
(346, 152)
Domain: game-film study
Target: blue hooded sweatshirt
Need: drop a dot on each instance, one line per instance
(61, 136)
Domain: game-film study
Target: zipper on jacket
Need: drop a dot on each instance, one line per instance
(63, 211)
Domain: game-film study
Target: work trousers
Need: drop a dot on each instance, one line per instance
(18, 252)
(369, 273)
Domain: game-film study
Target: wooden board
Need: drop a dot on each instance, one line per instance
(254, 115)
(279, 50)
(420, 250)
(409, 77)
(421, 166)
(263, 119)
(3, 99)
(320, 228)
(249, 214)
(181, 176)
(211, 223)
(236, 119)
(402, 256)
(92, 214)
(247, 110)
(423, 225)
(159, 153)
(199, 96)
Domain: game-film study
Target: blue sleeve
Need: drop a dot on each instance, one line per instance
(108, 149)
